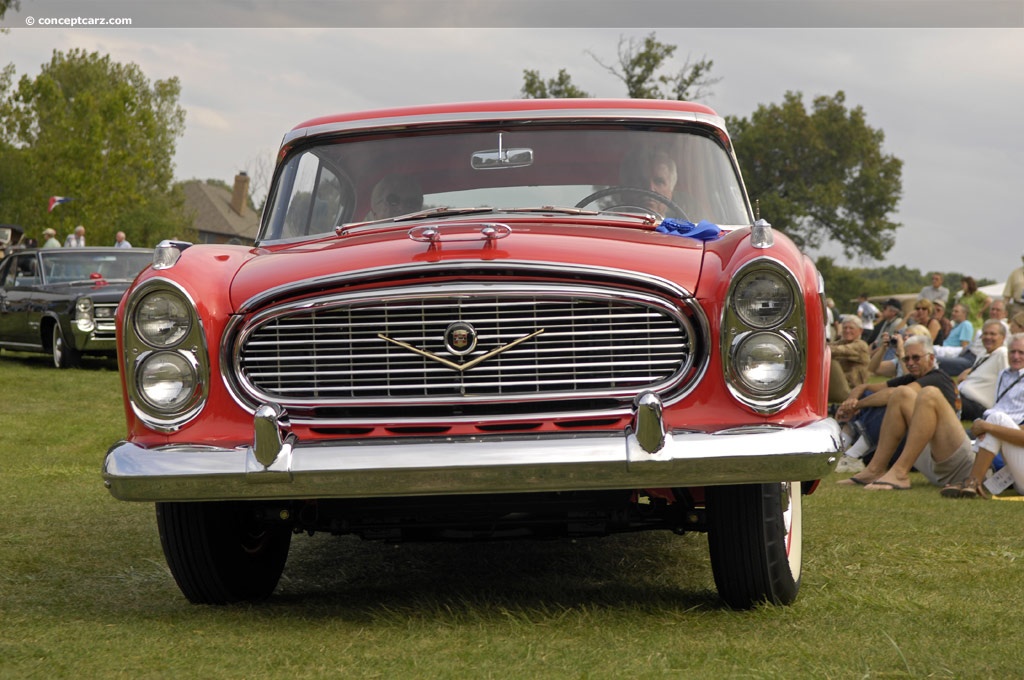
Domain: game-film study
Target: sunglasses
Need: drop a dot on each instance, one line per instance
(910, 358)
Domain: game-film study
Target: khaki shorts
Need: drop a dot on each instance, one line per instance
(956, 468)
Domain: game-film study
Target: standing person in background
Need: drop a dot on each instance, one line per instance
(51, 239)
(120, 241)
(936, 291)
(976, 301)
(1013, 293)
(867, 313)
(76, 239)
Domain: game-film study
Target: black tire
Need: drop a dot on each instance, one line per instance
(64, 353)
(755, 536)
(218, 553)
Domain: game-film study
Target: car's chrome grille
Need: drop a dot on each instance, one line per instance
(383, 350)
(104, 317)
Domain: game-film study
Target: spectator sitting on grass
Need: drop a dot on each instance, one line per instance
(866, 407)
(887, 360)
(849, 361)
(977, 384)
(1000, 430)
(936, 443)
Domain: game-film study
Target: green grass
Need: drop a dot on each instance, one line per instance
(903, 584)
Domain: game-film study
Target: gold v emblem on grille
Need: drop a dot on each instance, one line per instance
(469, 364)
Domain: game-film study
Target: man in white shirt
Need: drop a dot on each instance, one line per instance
(978, 384)
(76, 239)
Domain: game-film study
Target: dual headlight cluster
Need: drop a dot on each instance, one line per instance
(166, 356)
(763, 333)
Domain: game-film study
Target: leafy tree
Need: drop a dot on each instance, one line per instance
(97, 131)
(639, 65)
(535, 87)
(6, 5)
(640, 68)
(820, 175)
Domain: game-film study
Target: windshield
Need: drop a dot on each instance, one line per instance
(76, 265)
(677, 172)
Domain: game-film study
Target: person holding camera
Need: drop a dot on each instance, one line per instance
(889, 322)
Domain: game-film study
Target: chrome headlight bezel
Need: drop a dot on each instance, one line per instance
(767, 285)
(188, 346)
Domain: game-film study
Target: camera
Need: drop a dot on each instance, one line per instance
(892, 341)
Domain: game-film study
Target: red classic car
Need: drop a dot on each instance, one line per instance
(536, 318)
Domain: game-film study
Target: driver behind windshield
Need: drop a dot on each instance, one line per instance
(651, 170)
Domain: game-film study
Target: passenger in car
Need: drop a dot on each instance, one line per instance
(395, 195)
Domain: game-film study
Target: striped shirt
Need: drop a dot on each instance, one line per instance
(1010, 394)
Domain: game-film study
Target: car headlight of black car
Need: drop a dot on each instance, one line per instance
(84, 314)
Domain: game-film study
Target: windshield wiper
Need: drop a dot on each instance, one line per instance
(444, 211)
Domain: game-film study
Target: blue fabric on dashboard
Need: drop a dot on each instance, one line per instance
(702, 231)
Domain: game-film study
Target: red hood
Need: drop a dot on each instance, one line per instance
(673, 258)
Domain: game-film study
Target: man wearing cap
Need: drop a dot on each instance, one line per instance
(1013, 293)
(890, 321)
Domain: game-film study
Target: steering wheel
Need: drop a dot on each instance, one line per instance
(609, 191)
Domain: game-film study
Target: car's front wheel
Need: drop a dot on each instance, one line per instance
(755, 536)
(64, 353)
(220, 552)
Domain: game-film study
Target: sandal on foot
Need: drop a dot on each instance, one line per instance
(879, 485)
(853, 481)
(952, 490)
(974, 489)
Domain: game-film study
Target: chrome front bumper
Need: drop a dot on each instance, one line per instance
(278, 466)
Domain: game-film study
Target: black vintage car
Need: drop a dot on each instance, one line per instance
(61, 301)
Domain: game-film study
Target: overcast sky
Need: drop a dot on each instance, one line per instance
(950, 101)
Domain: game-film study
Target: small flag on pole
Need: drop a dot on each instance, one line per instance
(57, 200)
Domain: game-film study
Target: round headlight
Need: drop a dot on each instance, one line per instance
(166, 380)
(762, 299)
(162, 318)
(765, 362)
(83, 307)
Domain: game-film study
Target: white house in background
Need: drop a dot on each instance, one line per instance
(220, 215)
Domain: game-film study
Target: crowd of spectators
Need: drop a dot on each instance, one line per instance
(943, 396)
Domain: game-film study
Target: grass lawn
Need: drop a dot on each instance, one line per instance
(900, 584)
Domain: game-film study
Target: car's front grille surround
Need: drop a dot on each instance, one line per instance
(368, 349)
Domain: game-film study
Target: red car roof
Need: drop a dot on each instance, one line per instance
(513, 105)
